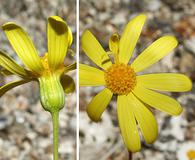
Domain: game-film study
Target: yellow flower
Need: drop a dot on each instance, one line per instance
(48, 70)
(134, 92)
(186, 151)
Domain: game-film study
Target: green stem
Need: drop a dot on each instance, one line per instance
(55, 119)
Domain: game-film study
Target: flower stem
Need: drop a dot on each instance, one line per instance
(55, 117)
(130, 155)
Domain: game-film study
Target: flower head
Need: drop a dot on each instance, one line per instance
(134, 92)
(186, 151)
(47, 70)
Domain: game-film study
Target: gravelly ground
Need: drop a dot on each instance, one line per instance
(25, 128)
(102, 141)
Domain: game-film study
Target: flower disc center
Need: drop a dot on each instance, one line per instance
(120, 78)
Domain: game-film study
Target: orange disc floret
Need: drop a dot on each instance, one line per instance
(120, 78)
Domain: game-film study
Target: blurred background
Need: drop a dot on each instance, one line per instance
(176, 141)
(25, 128)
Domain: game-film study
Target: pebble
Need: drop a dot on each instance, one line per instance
(189, 44)
(5, 121)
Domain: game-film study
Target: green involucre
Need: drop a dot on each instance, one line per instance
(51, 93)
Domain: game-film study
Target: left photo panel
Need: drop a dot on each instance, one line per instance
(37, 80)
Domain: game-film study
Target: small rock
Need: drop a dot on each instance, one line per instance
(5, 121)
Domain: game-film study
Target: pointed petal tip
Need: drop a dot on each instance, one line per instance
(98, 104)
(130, 37)
(56, 18)
(94, 50)
(178, 112)
(10, 25)
(93, 118)
(58, 24)
(84, 33)
(86, 30)
(70, 37)
(133, 148)
(188, 83)
(139, 17)
(142, 15)
(171, 38)
(59, 39)
(151, 142)
(83, 36)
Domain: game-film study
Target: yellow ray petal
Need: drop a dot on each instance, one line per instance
(145, 119)
(127, 124)
(165, 82)
(114, 43)
(67, 84)
(9, 64)
(90, 76)
(5, 72)
(23, 46)
(154, 52)
(94, 50)
(130, 37)
(70, 67)
(158, 101)
(70, 37)
(11, 85)
(58, 41)
(98, 104)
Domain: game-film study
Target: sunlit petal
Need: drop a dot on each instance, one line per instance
(9, 64)
(128, 124)
(130, 37)
(145, 119)
(165, 82)
(154, 52)
(59, 38)
(23, 46)
(90, 76)
(70, 67)
(98, 104)
(159, 101)
(94, 50)
(11, 85)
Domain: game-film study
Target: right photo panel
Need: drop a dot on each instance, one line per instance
(136, 75)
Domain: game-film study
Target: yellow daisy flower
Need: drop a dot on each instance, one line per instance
(186, 151)
(48, 70)
(134, 92)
